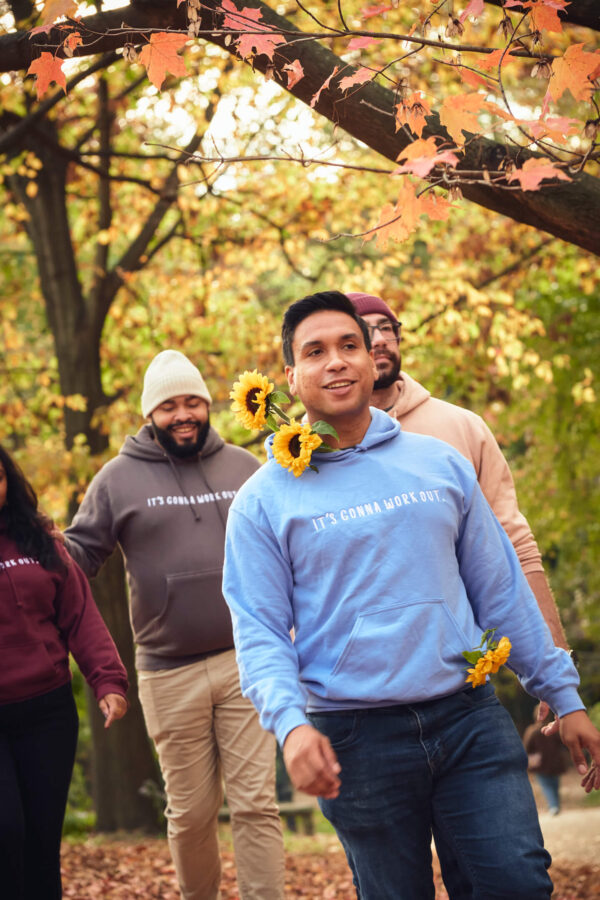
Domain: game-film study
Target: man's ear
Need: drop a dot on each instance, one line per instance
(289, 374)
(375, 372)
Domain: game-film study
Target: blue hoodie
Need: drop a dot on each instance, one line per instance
(387, 563)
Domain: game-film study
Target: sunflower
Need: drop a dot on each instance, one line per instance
(483, 667)
(293, 446)
(489, 662)
(501, 653)
(250, 397)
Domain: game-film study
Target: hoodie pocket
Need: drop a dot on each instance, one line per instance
(407, 652)
(194, 619)
(26, 669)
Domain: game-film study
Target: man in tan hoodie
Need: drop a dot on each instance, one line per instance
(412, 405)
(417, 411)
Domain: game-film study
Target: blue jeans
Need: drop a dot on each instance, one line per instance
(453, 768)
(550, 787)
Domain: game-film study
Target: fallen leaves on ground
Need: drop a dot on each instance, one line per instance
(124, 870)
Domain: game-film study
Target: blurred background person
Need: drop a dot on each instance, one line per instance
(46, 611)
(548, 759)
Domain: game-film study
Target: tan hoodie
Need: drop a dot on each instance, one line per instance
(419, 412)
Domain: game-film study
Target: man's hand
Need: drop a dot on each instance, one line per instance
(578, 734)
(112, 707)
(311, 763)
(543, 711)
(552, 727)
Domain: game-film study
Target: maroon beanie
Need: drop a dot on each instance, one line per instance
(364, 304)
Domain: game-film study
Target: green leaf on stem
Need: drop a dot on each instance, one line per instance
(322, 427)
(278, 397)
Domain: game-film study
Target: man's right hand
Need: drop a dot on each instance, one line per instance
(311, 762)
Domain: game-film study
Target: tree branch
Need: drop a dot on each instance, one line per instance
(570, 210)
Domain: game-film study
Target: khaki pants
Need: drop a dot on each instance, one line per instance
(205, 731)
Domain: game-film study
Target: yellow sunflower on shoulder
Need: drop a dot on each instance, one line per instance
(293, 446)
(250, 399)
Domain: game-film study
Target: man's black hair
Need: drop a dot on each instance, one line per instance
(313, 303)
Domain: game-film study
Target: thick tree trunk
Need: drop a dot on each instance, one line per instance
(126, 782)
(123, 758)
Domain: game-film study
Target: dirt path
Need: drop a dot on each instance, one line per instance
(574, 834)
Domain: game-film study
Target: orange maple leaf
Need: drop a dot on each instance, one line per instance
(534, 171)
(160, 56)
(434, 207)
(498, 111)
(294, 72)
(418, 149)
(494, 59)
(571, 72)
(393, 224)
(556, 128)
(315, 97)
(72, 41)
(54, 9)
(473, 79)
(248, 20)
(475, 8)
(47, 68)
(459, 113)
(544, 14)
(359, 77)
(422, 157)
(369, 11)
(398, 221)
(412, 111)
(360, 42)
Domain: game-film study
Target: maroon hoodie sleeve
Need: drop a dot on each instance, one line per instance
(86, 634)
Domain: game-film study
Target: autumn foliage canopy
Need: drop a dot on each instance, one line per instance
(494, 101)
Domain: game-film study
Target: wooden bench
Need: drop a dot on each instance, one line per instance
(288, 811)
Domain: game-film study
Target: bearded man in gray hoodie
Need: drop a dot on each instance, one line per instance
(164, 501)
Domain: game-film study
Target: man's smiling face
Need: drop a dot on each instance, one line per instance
(333, 372)
(181, 424)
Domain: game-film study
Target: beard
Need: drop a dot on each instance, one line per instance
(386, 379)
(182, 451)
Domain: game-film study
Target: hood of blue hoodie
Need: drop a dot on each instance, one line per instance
(381, 430)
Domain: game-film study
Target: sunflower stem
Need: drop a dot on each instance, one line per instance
(274, 408)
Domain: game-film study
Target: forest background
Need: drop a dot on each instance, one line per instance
(154, 198)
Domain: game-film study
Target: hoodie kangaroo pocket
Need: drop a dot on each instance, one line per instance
(400, 653)
(26, 669)
(194, 619)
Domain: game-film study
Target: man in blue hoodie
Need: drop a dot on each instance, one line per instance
(387, 564)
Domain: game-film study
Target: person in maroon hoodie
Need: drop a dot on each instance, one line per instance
(46, 610)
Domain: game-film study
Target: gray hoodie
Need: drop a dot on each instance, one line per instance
(168, 516)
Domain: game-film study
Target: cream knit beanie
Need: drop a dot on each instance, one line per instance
(170, 374)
